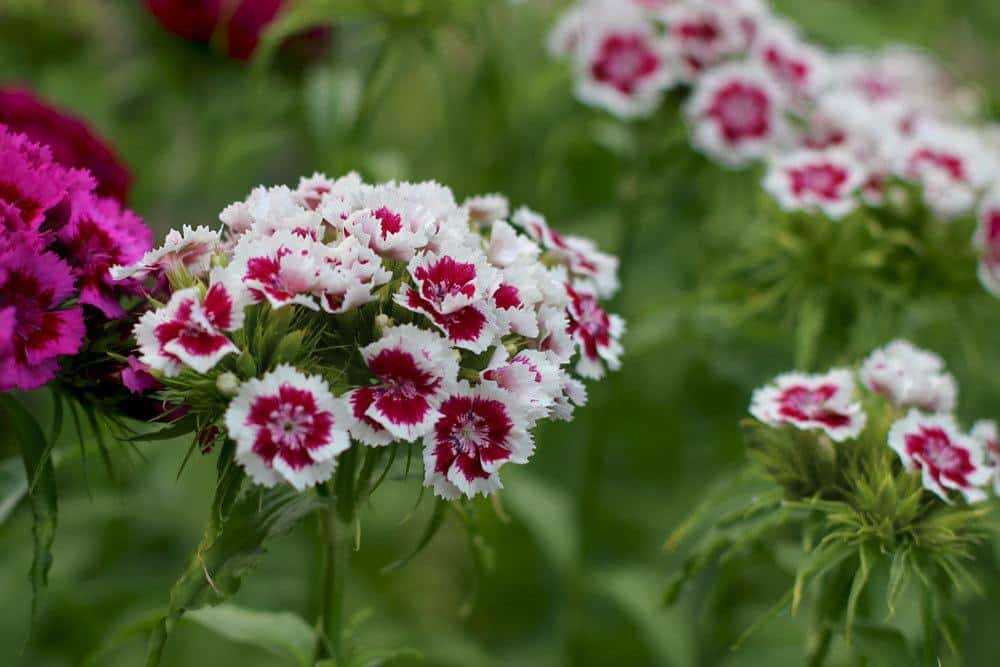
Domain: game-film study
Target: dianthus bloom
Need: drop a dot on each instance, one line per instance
(825, 402)
(427, 320)
(287, 426)
(736, 114)
(57, 240)
(946, 458)
(987, 241)
(988, 435)
(71, 141)
(827, 181)
(909, 376)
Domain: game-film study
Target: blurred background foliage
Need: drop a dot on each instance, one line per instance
(462, 91)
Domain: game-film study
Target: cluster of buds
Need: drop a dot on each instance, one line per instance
(837, 131)
(922, 430)
(58, 239)
(341, 311)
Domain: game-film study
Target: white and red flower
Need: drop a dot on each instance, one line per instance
(580, 255)
(282, 269)
(986, 432)
(824, 402)
(478, 431)
(287, 427)
(704, 34)
(353, 271)
(191, 329)
(795, 64)
(268, 211)
(189, 251)
(414, 368)
(573, 394)
(987, 241)
(487, 209)
(811, 180)
(455, 289)
(946, 458)
(909, 376)
(622, 64)
(531, 377)
(950, 164)
(596, 333)
(391, 225)
(736, 113)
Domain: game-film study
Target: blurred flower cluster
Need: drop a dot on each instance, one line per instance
(385, 314)
(836, 131)
(62, 226)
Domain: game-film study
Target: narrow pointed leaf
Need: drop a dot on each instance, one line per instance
(437, 518)
(283, 634)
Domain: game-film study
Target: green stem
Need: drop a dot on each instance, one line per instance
(335, 542)
(930, 631)
(820, 648)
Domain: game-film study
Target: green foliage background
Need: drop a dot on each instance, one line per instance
(462, 91)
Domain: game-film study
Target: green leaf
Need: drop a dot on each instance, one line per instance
(13, 486)
(867, 554)
(174, 430)
(818, 561)
(548, 512)
(899, 576)
(43, 496)
(437, 518)
(284, 634)
(221, 560)
(377, 657)
(882, 646)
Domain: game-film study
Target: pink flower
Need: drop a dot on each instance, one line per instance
(909, 376)
(71, 141)
(986, 433)
(824, 402)
(736, 113)
(102, 235)
(414, 368)
(190, 329)
(33, 289)
(946, 458)
(454, 290)
(136, 376)
(189, 251)
(580, 255)
(596, 333)
(987, 240)
(287, 427)
(810, 180)
(478, 431)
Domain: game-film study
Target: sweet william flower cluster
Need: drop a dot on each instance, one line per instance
(922, 395)
(341, 311)
(837, 132)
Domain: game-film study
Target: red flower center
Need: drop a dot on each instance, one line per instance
(932, 447)
(623, 61)
(805, 404)
(289, 425)
(743, 111)
(472, 432)
(822, 180)
(949, 163)
(390, 222)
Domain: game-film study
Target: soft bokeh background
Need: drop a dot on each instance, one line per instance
(464, 94)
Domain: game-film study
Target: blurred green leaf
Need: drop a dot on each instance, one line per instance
(13, 486)
(547, 511)
(43, 495)
(284, 634)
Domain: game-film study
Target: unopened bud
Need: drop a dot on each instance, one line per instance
(227, 384)
(382, 322)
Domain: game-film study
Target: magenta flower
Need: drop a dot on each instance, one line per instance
(136, 376)
(71, 141)
(414, 367)
(824, 402)
(946, 458)
(33, 289)
(287, 427)
(479, 430)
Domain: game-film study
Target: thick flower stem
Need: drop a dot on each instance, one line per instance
(335, 542)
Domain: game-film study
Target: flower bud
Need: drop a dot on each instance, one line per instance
(382, 322)
(227, 384)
